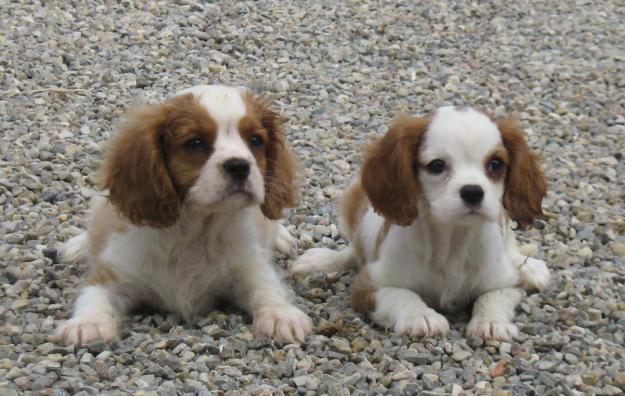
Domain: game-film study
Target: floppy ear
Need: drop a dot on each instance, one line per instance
(525, 184)
(135, 173)
(281, 170)
(389, 172)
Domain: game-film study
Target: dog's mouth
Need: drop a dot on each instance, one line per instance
(241, 190)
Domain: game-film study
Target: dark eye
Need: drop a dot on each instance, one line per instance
(256, 141)
(436, 167)
(495, 165)
(194, 144)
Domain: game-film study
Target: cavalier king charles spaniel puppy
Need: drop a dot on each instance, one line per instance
(430, 222)
(194, 186)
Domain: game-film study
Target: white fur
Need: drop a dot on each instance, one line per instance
(448, 256)
(284, 241)
(462, 139)
(76, 248)
(214, 250)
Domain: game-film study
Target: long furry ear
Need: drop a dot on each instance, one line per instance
(525, 184)
(281, 171)
(389, 172)
(135, 173)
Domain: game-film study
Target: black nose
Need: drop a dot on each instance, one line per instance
(472, 194)
(237, 169)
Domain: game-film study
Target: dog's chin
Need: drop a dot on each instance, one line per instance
(465, 216)
(231, 200)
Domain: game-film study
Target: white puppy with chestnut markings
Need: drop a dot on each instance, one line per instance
(194, 185)
(429, 221)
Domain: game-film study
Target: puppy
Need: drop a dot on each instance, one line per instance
(193, 186)
(430, 220)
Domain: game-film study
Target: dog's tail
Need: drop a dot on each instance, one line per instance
(76, 248)
(324, 260)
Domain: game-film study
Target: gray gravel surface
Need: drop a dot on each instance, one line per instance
(68, 72)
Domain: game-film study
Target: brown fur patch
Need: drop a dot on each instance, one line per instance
(281, 169)
(337, 326)
(525, 184)
(389, 172)
(147, 168)
(101, 274)
(354, 205)
(363, 292)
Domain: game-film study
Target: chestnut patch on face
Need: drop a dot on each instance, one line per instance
(188, 140)
(255, 136)
(496, 163)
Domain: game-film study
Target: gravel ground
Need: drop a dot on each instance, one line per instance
(339, 73)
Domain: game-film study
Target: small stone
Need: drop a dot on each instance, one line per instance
(281, 86)
(19, 304)
(340, 345)
(415, 357)
(460, 354)
(14, 239)
(610, 390)
(359, 344)
(499, 369)
(619, 249)
(5, 364)
(146, 381)
(570, 358)
(585, 253)
(309, 381)
(619, 380)
(505, 347)
(590, 378)
(50, 253)
(429, 381)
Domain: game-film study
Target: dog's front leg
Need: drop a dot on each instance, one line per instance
(492, 315)
(260, 291)
(406, 313)
(96, 313)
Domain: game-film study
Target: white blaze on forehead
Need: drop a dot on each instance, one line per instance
(224, 104)
(454, 131)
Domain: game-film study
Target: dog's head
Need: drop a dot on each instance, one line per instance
(457, 162)
(214, 148)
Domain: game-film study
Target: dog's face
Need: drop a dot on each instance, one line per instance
(461, 165)
(216, 149)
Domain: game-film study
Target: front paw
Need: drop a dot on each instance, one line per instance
(491, 330)
(285, 242)
(283, 323)
(534, 274)
(428, 323)
(84, 330)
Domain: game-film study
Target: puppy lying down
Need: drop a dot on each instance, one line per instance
(430, 221)
(193, 187)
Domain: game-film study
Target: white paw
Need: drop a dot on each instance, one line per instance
(428, 323)
(491, 330)
(317, 259)
(284, 240)
(283, 323)
(83, 330)
(534, 274)
(75, 249)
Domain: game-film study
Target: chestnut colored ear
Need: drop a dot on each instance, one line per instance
(135, 173)
(281, 171)
(389, 172)
(525, 184)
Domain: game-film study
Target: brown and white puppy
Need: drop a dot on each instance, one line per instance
(194, 185)
(429, 220)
